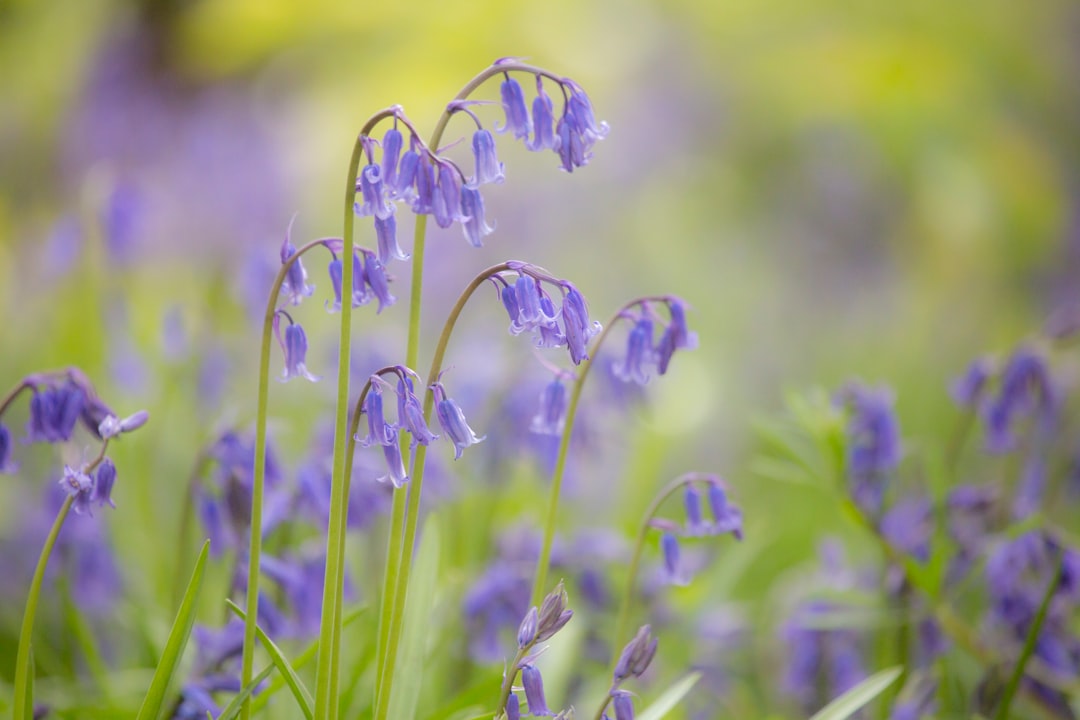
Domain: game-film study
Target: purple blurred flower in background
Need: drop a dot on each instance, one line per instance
(873, 447)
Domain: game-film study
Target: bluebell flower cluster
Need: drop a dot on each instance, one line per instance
(724, 518)
(538, 625)
(645, 354)
(633, 661)
(873, 444)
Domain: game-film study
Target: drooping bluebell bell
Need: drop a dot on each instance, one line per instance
(513, 707)
(513, 103)
(80, 487)
(669, 547)
(623, 704)
(424, 201)
(543, 120)
(376, 201)
(580, 107)
(473, 223)
(375, 277)
(873, 447)
(362, 291)
(676, 336)
(695, 521)
(295, 283)
(968, 390)
(54, 412)
(576, 325)
(569, 145)
(636, 656)
(446, 203)
(527, 290)
(7, 465)
(820, 663)
(334, 270)
(533, 683)
(386, 236)
(727, 518)
(908, 526)
(395, 464)
(295, 345)
(550, 419)
(640, 355)
(548, 333)
(411, 414)
(392, 143)
(104, 480)
(1026, 392)
(380, 432)
(488, 167)
(403, 188)
(452, 420)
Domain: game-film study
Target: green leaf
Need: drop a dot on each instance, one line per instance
(174, 647)
(303, 697)
(671, 697)
(847, 704)
(233, 708)
(409, 672)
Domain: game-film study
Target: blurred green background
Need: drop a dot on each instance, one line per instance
(839, 189)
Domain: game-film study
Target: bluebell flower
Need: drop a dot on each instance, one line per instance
(295, 284)
(392, 143)
(402, 188)
(473, 223)
(80, 486)
(639, 353)
(395, 464)
(551, 417)
(1026, 392)
(576, 325)
(380, 432)
(543, 120)
(54, 412)
(361, 294)
(295, 347)
(820, 663)
(424, 201)
(1032, 486)
(527, 289)
(446, 203)
(488, 167)
(569, 145)
(623, 704)
(386, 236)
(908, 526)
(669, 546)
(873, 448)
(695, 521)
(452, 420)
(727, 518)
(553, 614)
(676, 336)
(517, 115)
(411, 414)
(533, 684)
(968, 390)
(375, 276)
(6, 463)
(334, 270)
(513, 707)
(113, 426)
(548, 333)
(527, 630)
(104, 480)
(636, 656)
(376, 201)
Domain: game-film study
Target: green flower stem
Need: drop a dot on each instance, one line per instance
(415, 487)
(22, 664)
(23, 671)
(259, 472)
(25, 384)
(540, 580)
(635, 560)
(509, 678)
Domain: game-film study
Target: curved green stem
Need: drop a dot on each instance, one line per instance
(22, 660)
(259, 473)
(416, 483)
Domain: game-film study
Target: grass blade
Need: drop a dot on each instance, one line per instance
(847, 704)
(233, 708)
(671, 697)
(154, 701)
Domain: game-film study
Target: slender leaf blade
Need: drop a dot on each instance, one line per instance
(671, 697)
(154, 701)
(233, 708)
(847, 704)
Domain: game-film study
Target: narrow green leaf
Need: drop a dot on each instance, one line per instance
(303, 697)
(154, 702)
(233, 708)
(847, 704)
(29, 695)
(671, 697)
(409, 673)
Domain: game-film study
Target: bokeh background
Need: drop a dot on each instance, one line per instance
(838, 189)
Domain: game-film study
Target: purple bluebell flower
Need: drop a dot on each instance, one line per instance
(569, 145)
(727, 518)
(533, 683)
(403, 186)
(424, 202)
(576, 325)
(636, 655)
(623, 703)
(1032, 486)
(295, 347)
(1026, 392)
(113, 426)
(295, 284)
(820, 663)
(969, 389)
(411, 414)
(553, 614)
(543, 120)
(472, 216)
(392, 143)
(549, 335)
(79, 486)
(488, 167)
(54, 412)
(104, 480)
(508, 295)
(585, 121)
(873, 449)
(335, 272)
(386, 234)
(527, 630)
(375, 276)
(446, 203)
(517, 115)
(452, 420)
(513, 707)
(551, 417)
(639, 353)
(908, 526)
(380, 432)
(373, 189)
(676, 336)
(669, 546)
(695, 522)
(6, 463)
(361, 294)
(527, 289)
(396, 472)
